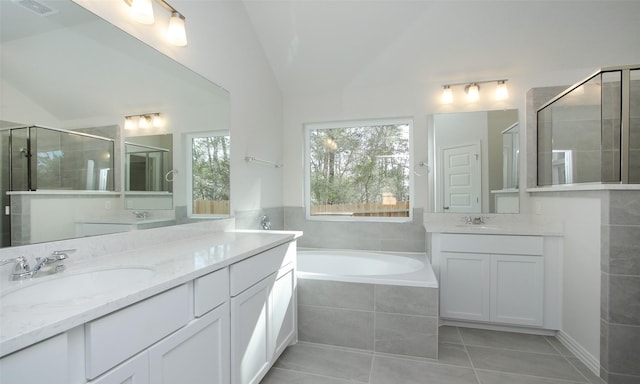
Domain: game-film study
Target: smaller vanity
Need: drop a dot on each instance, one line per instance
(498, 273)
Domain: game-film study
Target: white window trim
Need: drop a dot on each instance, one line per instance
(188, 145)
(346, 124)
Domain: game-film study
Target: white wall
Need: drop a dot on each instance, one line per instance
(581, 265)
(223, 48)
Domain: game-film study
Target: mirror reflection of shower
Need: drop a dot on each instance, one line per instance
(56, 159)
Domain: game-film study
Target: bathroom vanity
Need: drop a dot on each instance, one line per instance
(491, 276)
(219, 308)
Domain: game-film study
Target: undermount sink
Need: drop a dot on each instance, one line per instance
(75, 286)
(477, 226)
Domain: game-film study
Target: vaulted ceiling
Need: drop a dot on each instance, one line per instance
(320, 46)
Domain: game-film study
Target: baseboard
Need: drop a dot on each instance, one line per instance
(497, 327)
(578, 350)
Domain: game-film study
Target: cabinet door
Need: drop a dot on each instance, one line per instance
(133, 371)
(517, 289)
(250, 353)
(282, 314)
(46, 362)
(465, 286)
(197, 353)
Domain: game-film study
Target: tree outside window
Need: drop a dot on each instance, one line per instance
(210, 175)
(359, 169)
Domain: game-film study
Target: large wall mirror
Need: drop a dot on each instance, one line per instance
(70, 70)
(474, 157)
(149, 172)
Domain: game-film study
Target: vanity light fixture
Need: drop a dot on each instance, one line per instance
(158, 121)
(472, 90)
(502, 92)
(128, 123)
(147, 120)
(447, 95)
(177, 34)
(144, 122)
(142, 12)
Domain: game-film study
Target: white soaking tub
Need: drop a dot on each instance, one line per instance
(410, 269)
(383, 302)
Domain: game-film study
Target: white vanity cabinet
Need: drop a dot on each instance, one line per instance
(229, 325)
(262, 312)
(497, 279)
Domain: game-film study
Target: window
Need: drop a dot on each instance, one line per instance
(359, 170)
(208, 165)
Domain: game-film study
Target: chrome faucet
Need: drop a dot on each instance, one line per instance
(265, 223)
(474, 220)
(140, 215)
(53, 263)
(49, 265)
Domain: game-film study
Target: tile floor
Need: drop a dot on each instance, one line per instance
(466, 356)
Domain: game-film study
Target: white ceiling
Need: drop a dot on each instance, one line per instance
(324, 46)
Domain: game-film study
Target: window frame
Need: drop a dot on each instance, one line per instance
(188, 145)
(308, 127)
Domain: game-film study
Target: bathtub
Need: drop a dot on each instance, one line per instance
(409, 269)
(381, 302)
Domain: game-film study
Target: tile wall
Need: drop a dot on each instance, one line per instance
(382, 318)
(620, 294)
(370, 236)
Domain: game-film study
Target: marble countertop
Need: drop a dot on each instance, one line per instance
(173, 263)
(505, 224)
(124, 220)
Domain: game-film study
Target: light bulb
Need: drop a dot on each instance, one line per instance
(144, 122)
(128, 123)
(177, 33)
(473, 92)
(158, 121)
(142, 11)
(501, 90)
(447, 95)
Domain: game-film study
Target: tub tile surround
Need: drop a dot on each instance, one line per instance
(369, 236)
(250, 219)
(176, 254)
(369, 317)
(466, 356)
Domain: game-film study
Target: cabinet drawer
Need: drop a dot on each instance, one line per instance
(210, 291)
(500, 244)
(247, 272)
(117, 336)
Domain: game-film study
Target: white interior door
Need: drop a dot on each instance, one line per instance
(461, 179)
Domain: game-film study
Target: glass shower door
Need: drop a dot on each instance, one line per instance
(19, 172)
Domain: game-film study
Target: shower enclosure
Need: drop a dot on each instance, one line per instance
(590, 133)
(37, 158)
(55, 159)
